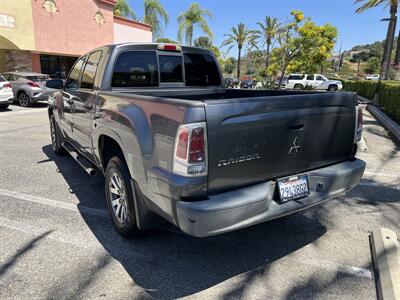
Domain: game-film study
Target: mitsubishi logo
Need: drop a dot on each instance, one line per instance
(295, 148)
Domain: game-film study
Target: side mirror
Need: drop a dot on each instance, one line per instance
(56, 84)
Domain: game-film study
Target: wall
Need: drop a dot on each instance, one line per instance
(16, 60)
(72, 28)
(16, 30)
(131, 31)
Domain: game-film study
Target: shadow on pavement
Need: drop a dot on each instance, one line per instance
(169, 264)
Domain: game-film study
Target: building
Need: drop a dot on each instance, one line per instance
(47, 36)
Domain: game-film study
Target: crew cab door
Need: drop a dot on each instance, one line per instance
(85, 105)
(310, 80)
(69, 94)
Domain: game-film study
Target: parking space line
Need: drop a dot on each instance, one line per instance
(37, 231)
(381, 174)
(23, 112)
(57, 204)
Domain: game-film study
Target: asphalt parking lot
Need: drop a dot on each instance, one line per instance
(56, 241)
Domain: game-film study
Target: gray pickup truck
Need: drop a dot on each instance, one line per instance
(174, 144)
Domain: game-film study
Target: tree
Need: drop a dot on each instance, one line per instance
(316, 44)
(154, 14)
(205, 42)
(123, 9)
(239, 37)
(385, 64)
(166, 41)
(267, 33)
(228, 65)
(188, 20)
(289, 42)
(372, 65)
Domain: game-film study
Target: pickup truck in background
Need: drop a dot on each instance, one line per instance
(314, 81)
(175, 145)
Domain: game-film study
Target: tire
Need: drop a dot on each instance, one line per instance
(23, 99)
(298, 87)
(4, 106)
(120, 199)
(332, 88)
(56, 139)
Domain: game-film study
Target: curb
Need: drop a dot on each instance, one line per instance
(386, 260)
(388, 123)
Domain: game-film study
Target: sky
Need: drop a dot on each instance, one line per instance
(354, 29)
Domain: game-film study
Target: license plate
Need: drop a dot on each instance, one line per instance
(293, 188)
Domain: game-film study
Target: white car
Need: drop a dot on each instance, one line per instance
(315, 81)
(6, 93)
(372, 77)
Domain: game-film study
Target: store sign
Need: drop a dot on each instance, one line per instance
(7, 21)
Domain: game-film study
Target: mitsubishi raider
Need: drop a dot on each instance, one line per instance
(174, 144)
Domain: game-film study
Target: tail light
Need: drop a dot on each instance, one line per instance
(7, 85)
(33, 84)
(190, 153)
(359, 121)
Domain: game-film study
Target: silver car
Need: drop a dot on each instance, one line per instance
(28, 87)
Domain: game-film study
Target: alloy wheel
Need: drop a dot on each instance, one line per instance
(118, 197)
(23, 99)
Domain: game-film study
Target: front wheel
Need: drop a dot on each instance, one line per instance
(55, 134)
(119, 196)
(298, 87)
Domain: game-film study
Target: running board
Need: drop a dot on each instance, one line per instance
(82, 161)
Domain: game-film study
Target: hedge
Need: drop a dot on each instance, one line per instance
(388, 94)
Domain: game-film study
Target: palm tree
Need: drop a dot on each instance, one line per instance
(238, 36)
(154, 12)
(385, 64)
(188, 20)
(267, 33)
(123, 9)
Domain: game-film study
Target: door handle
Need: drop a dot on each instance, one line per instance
(295, 126)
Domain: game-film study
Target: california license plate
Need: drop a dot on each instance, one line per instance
(293, 188)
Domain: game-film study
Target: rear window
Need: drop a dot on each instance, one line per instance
(170, 68)
(295, 77)
(201, 70)
(135, 69)
(39, 78)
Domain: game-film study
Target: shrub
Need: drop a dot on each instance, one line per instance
(389, 93)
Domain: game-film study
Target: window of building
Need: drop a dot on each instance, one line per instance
(201, 70)
(56, 66)
(89, 73)
(73, 79)
(170, 68)
(135, 69)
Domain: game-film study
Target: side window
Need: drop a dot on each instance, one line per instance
(89, 72)
(135, 69)
(73, 78)
(310, 77)
(320, 78)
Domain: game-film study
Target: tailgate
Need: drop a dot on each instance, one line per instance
(258, 139)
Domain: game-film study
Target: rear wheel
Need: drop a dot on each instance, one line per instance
(23, 99)
(56, 141)
(3, 106)
(298, 87)
(120, 199)
(333, 88)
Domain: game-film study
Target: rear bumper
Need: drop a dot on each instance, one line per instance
(254, 204)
